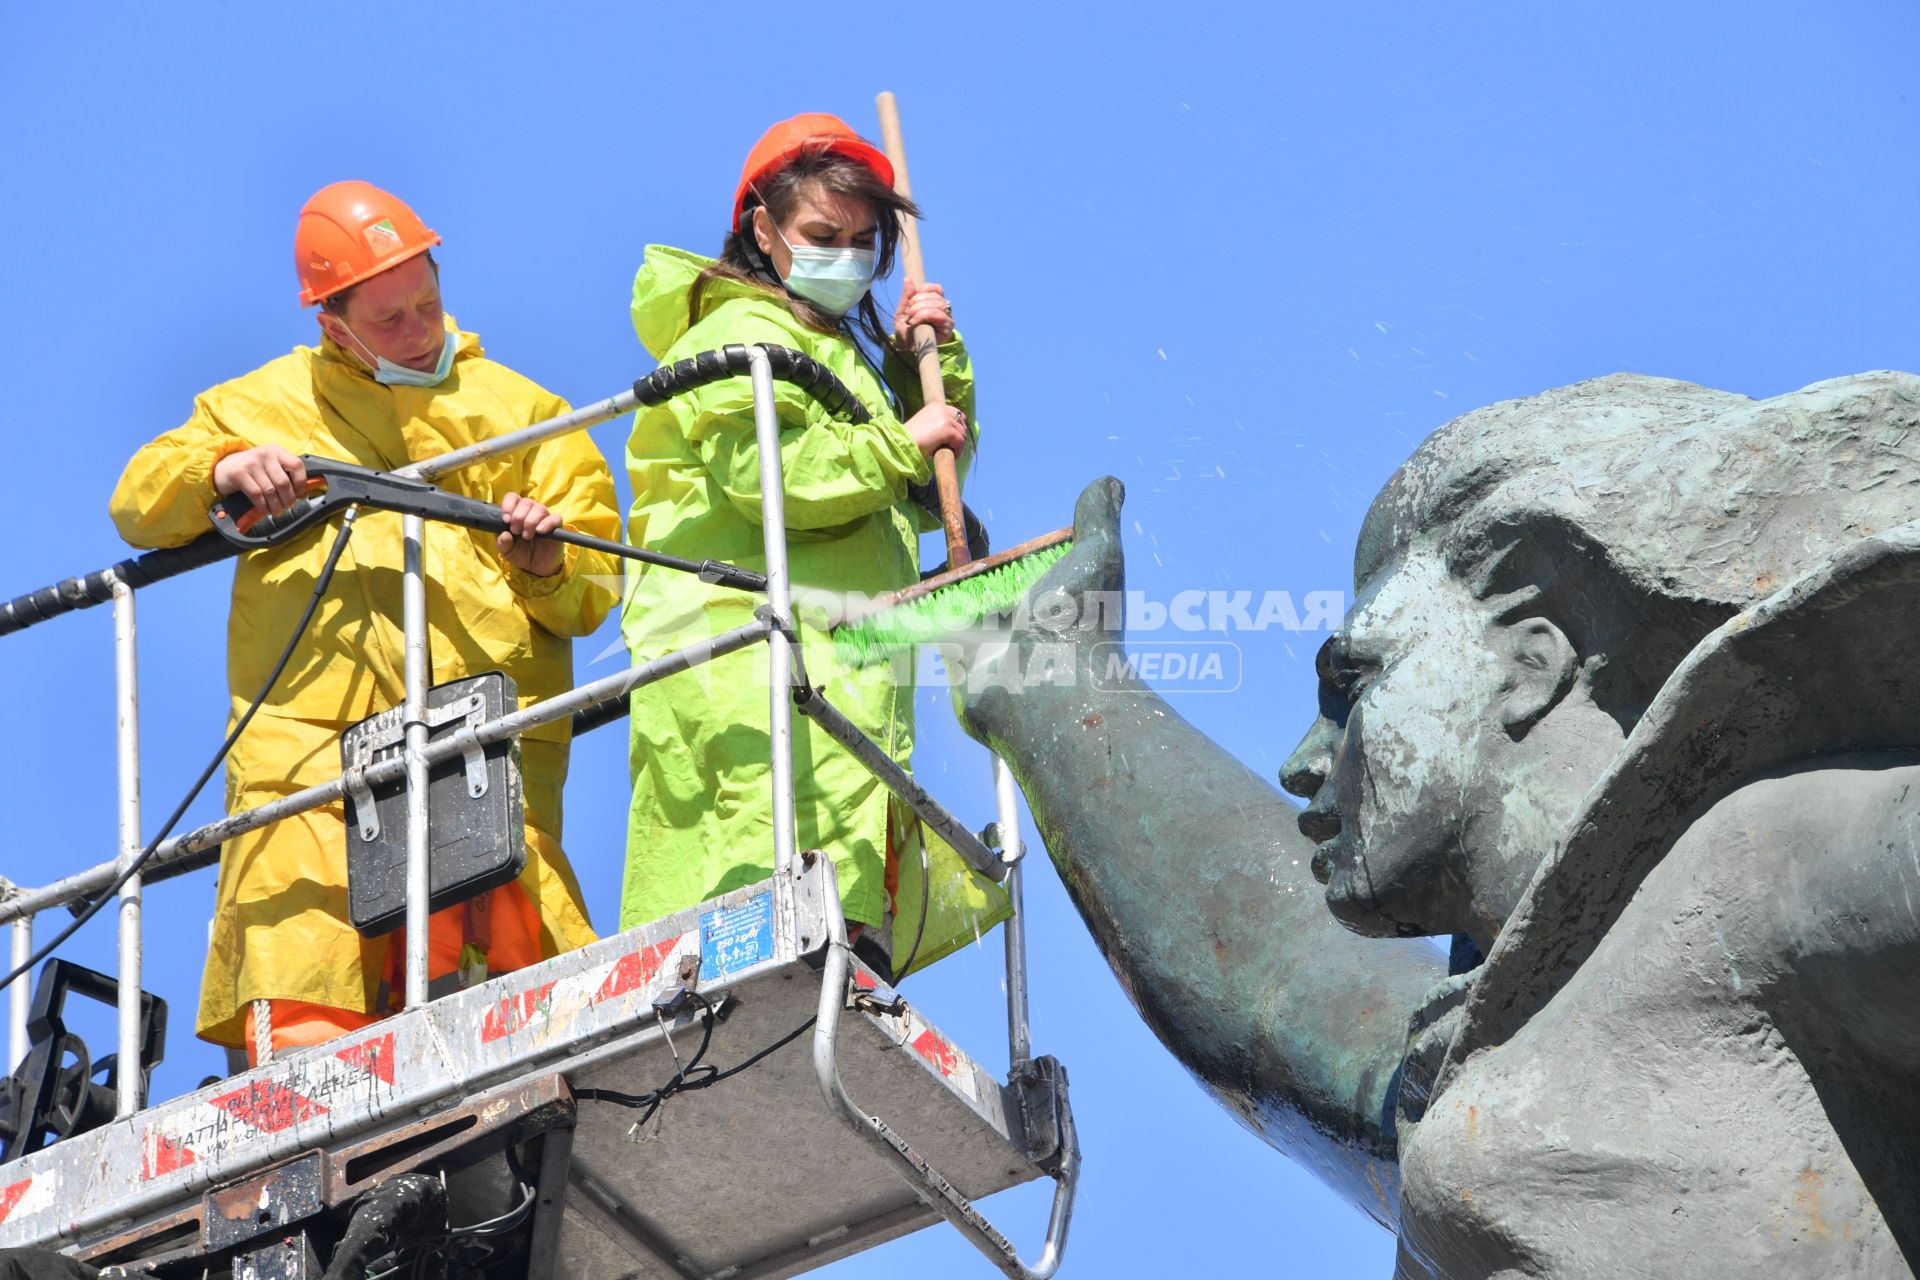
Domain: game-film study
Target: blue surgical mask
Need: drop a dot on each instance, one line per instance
(390, 374)
(832, 279)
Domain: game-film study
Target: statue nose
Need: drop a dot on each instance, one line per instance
(1304, 778)
(1306, 770)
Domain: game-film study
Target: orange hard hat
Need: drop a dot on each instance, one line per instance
(813, 129)
(349, 231)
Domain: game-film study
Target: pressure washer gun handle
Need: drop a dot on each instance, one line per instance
(332, 487)
(244, 525)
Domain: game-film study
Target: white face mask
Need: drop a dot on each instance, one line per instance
(832, 279)
(398, 375)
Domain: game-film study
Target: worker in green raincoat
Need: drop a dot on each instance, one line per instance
(815, 220)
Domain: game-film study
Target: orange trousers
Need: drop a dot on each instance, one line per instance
(513, 943)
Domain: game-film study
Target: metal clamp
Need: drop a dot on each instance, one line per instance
(878, 999)
(1045, 1113)
(388, 735)
(354, 783)
(475, 757)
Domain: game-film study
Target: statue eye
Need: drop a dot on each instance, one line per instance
(1351, 682)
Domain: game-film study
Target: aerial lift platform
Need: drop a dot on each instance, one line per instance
(727, 1093)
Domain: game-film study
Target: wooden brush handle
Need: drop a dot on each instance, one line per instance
(926, 344)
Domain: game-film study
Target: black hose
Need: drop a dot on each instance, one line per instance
(733, 361)
(89, 589)
(410, 1206)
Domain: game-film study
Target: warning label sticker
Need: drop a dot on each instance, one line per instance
(381, 236)
(733, 938)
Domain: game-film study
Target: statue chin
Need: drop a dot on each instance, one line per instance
(1351, 900)
(1349, 891)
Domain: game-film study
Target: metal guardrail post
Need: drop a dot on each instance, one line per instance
(130, 1076)
(21, 994)
(1013, 850)
(925, 1181)
(773, 530)
(413, 611)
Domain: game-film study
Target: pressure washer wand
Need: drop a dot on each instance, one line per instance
(333, 486)
(731, 361)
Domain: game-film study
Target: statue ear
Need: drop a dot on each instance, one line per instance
(1541, 666)
(1628, 632)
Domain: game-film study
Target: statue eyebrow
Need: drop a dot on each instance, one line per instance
(1514, 605)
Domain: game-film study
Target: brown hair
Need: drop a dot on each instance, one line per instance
(780, 191)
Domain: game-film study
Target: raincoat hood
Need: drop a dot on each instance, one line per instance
(660, 290)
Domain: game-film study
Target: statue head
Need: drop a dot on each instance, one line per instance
(1525, 584)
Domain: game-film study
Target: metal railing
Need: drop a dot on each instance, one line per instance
(789, 691)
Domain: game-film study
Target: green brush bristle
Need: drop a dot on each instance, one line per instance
(944, 612)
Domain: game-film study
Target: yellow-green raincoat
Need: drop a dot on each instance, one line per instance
(702, 800)
(280, 924)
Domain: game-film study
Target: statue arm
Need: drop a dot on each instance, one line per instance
(1196, 883)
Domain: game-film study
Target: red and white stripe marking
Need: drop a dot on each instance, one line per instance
(27, 1196)
(342, 1078)
(350, 1077)
(552, 1008)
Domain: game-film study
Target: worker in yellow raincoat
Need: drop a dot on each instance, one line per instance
(393, 381)
(815, 218)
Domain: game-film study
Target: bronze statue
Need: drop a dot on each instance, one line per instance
(1626, 700)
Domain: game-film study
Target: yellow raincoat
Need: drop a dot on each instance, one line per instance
(701, 821)
(280, 925)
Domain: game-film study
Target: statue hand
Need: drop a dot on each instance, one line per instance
(1047, 648)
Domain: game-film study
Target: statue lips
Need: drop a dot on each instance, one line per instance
(1322, 865)
(1319, 823)
(1338, 863)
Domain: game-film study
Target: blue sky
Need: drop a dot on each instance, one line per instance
(1242, 257)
